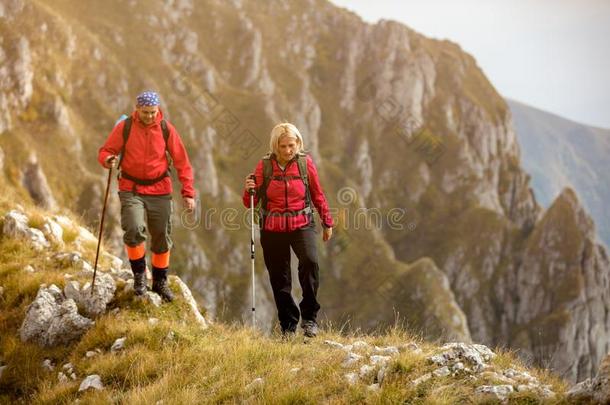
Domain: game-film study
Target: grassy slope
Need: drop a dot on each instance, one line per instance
(194, 366)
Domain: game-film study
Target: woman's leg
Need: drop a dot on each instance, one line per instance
(276, 251)
(303, 242)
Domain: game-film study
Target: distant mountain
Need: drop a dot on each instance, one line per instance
(561, 153)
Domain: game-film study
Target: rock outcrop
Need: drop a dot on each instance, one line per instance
(52, 319)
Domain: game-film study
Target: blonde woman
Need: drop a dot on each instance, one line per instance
(287, 186)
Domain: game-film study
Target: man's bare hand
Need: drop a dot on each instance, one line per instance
(111, 162)
(188, 203)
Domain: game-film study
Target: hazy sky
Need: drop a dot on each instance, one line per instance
(551, 54)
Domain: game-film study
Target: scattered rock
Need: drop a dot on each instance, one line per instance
(68, 367)
(295, 370)
(90, 353)
(410, 347)
(351, 378)
(334, 344)
(381, 373)
(380, 359)
(476, 355)
(386, 351)
(53, 232)
(494, 392)
(457, 367)
(255, 384)
(29, 269)
(93, 381)
(359, 344)
(522, 376)
(422, 379)
(16, 226)
(373, 387)
(62, 378)
(171, 335)
(366, 370)
(153, 321)
(118, 345)
(47, 364)
(351, 359)
(492, 375)
(441, 372)
(152, 298)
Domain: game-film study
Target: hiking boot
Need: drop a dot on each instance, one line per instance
(160, 285)
(310, 328)
(138, 268)
(289, 332)
(139, 283)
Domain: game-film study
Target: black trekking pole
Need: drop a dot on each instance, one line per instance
(99, 236)
(252, 191)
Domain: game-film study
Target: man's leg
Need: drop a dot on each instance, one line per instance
(134, 228)
(276, 251)
(159, 213)
(303, 242)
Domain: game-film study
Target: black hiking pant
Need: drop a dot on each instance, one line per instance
(276, 251)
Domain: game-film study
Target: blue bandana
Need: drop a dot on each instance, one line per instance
(148, 99)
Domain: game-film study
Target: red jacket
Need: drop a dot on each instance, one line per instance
(145, 156)
(289, 195)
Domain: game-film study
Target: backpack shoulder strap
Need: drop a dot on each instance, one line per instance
(302, 164)
(165, 130)
(267, 174)
(126, 131)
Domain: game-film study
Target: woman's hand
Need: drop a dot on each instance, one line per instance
(250, 183)
(327, 234)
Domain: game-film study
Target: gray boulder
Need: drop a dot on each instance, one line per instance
(52, 320)
(92, 304)
(93, 381)
(16, 226)
(593, 390)
(477, 355)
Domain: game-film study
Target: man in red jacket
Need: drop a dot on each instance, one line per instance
(144, 141)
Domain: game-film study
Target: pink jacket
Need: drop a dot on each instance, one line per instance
(289, 195)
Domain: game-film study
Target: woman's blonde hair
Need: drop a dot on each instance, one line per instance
(285, 130)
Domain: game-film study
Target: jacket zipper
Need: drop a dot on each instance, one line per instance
(285, 191)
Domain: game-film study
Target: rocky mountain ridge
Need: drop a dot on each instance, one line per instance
(407, 132)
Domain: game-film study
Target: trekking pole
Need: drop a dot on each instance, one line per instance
(99, 236)
(251, 191)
